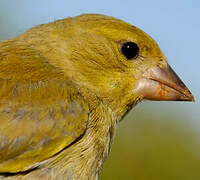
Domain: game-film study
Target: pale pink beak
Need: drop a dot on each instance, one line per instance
(163, 84)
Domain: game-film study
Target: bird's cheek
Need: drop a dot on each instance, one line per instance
(162, 84)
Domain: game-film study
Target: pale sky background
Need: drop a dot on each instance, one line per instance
(174, 24)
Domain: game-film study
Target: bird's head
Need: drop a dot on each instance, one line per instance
(116, 61)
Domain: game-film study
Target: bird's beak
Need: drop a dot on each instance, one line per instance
(163, 84)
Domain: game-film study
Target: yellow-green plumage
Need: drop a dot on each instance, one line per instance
(63, 88)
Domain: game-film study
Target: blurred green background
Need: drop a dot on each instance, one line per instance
(157, 140)
(154, 143)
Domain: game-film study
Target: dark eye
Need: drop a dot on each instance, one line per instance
(130, 50)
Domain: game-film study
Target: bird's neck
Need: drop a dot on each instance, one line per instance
(84, 158)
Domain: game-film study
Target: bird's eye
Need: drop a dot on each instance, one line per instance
(130, 50)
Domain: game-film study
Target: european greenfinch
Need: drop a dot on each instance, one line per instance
(64, 86)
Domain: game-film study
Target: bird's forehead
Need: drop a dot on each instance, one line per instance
(112, 28)
(119, 31)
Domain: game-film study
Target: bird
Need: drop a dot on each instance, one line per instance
(65, 86)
